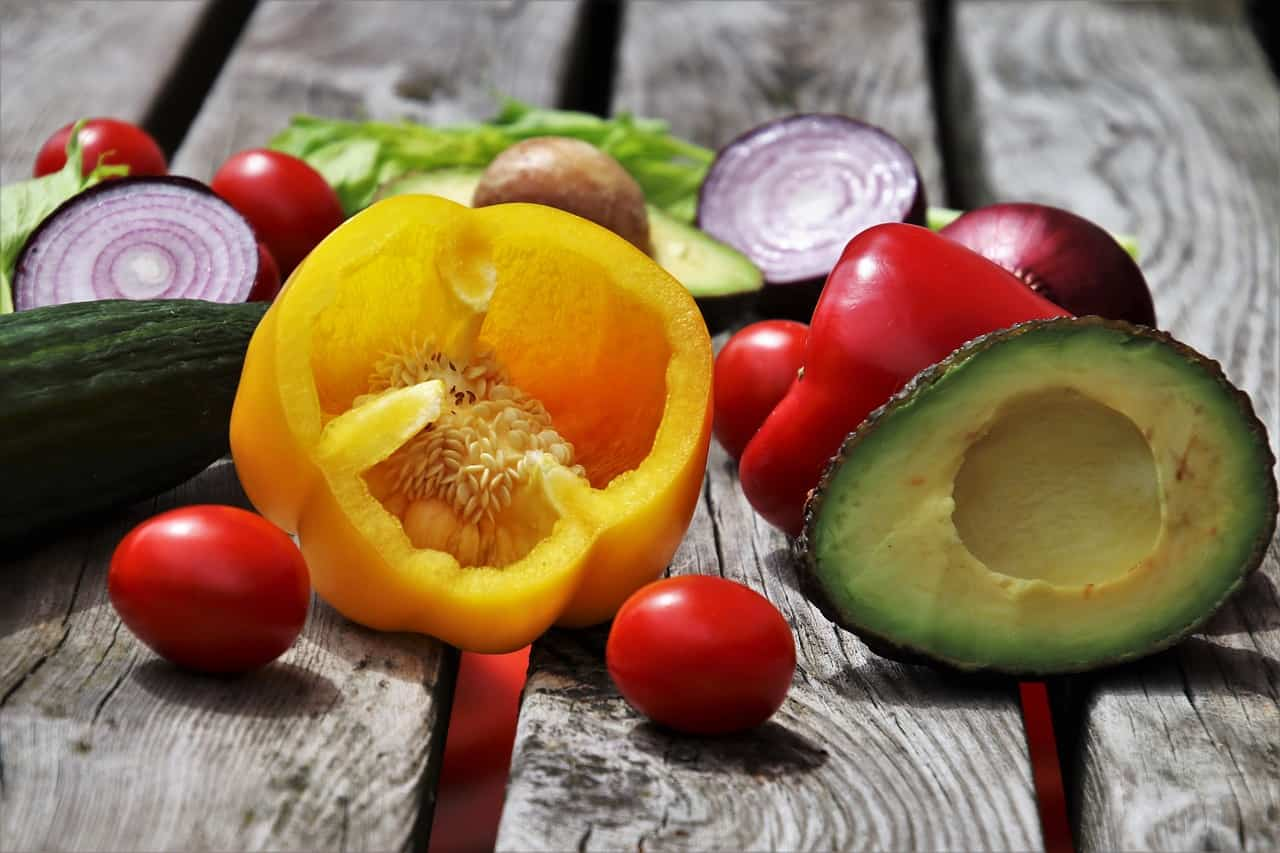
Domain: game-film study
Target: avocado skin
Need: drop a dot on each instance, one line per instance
(887, 647)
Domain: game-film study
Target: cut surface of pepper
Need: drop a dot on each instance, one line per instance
(479, 423)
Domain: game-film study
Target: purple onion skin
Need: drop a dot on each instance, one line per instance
(1064, 257)
(30, 291)
(791, 290)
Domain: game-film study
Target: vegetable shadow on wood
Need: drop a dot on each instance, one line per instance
(107, 527)
(880, 681)
(398, 654)
(278, 690)
(1254, 607)
(770, 750)
(1240, 671)
(784, 563)
(65, 567)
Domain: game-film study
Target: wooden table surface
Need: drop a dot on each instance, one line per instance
(1160, 120)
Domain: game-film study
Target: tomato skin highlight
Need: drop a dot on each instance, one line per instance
(289, 204)
(702, 655)
(211, 588)
(752, 373)
(122, 143)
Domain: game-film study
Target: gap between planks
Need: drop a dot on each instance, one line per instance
(1164, 117)
(866, 752)
(337, 743)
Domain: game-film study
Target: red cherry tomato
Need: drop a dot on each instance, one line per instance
(752, 373)
(267, 283)
(701, 654)
(211, 588)
(121, 143)
(288, 203)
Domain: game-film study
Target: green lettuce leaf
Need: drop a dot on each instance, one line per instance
(26, 204)
(356, 158)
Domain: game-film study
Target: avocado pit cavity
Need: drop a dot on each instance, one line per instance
(1059, 488)
(469, 483)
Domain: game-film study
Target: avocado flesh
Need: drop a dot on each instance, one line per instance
(709, 269)
(705, 266)
(1063, 495)
(457, 185)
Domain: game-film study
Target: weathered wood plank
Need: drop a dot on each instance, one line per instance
(103, 746)
(1163, 121)
(714, 70)
(382, 59)
(62, 60)
(866, 753)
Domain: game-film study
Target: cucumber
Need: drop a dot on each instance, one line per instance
(721, 279)
(106, 403)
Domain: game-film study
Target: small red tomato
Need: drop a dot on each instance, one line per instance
(211, 588)
(701, 654)
(121, 143)
(267, 283)
(289, 204)
(752, 373)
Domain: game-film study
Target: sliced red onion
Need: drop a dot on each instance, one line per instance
(138, 238)
(791, 193)
(1064, 257)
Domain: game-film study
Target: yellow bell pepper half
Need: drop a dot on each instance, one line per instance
(480, 422)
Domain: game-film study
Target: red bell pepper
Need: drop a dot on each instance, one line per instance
(900, 299)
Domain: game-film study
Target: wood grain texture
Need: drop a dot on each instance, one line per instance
(866, 753)
(716, 69)
(62, 60)
(103, 746)
(337, 745)
(380, 59)
(1163, 121)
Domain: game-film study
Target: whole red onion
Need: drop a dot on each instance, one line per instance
(1064, 257)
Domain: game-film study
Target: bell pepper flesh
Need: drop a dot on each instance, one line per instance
(900, 299)
(579, 320)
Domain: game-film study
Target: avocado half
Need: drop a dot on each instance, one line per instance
(723, 282)
(1054, 497)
